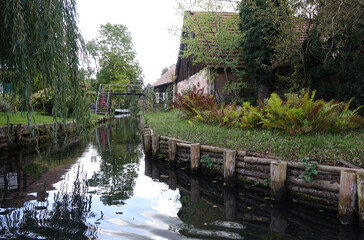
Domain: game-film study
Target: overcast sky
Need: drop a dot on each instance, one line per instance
(148, 21)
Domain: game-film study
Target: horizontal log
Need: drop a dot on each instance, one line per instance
(320, 176)
(183, 150)
(255, 160)
(240, 158)
(182, 154)
(314, 192)
(252, 173)
(324, 168)
(212, 154)
(240, 153)
(315, 184)
(258, 167)
(183, 159)
(318, 203)
(240, 164)
(163, 150)
(259, 155)
(183, 145)
(165, 138)
(251, 179)
(212, 149)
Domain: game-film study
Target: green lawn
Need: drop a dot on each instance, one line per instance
(328, 147)
(21, 118)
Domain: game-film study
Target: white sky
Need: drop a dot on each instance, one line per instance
(148, 22)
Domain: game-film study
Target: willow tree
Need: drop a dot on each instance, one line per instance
(40, 39)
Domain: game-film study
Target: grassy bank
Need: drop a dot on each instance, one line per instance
(326, 148)
(21, 118)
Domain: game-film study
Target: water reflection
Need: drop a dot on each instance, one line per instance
(211, 210)
(119, 148)
(107, 188)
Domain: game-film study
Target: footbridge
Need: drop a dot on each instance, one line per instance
(106, 91)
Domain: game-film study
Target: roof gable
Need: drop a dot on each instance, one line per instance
(166, 78)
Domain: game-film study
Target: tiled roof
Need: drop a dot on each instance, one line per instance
(210, 25)
(168, 77)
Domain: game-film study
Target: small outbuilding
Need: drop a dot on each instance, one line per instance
(162, 84)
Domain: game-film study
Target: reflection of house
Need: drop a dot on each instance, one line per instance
(210, 37)
(161, 85)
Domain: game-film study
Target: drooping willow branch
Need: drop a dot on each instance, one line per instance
(40, 39)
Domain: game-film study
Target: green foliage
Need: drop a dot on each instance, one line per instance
(193, 102)
(115, 57)
(9, 103)
(326, 146)
(267, 182)
(116, 62)
(206, 161)
(43, 101)
(310, 169)
(39, 46)
(260, 24)
(299, 113)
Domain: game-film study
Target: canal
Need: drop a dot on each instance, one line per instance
(106, 188)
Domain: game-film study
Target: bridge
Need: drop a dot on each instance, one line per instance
(106, 91)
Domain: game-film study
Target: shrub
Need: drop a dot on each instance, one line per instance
(194, 102)
(9, 102)
(301, 113)
(43, 101)
(298, 113)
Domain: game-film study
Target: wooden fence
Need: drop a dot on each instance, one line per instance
(333, 188)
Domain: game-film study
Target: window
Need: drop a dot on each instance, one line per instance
(157, 97)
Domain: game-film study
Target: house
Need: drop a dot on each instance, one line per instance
(6, 88)
(162, 84)
(209, 55)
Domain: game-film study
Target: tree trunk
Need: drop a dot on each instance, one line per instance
(263, 92)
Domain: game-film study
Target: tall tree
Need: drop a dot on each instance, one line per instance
(40, 40)
(331, 56)
(260, 26)
(115, 57)
(116, 61)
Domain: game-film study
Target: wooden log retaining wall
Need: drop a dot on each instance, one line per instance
(20, 135)
(322, 192)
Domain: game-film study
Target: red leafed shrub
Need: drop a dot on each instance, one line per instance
(194, 102)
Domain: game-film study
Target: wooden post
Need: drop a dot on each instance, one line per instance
(360, 189)
(278, 175)
(195, 157)
(229, 204)
(172, 179)
(347, 197)
(148, 165)
(172, 151)
(195, 189)
(229, 166)
(155, 145)
(147, 142)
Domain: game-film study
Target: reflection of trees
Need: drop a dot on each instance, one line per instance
(65, 219)
(116, 179)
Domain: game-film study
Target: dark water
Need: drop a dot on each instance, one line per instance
(108, 189)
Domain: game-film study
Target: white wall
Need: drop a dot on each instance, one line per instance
(201, 80)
